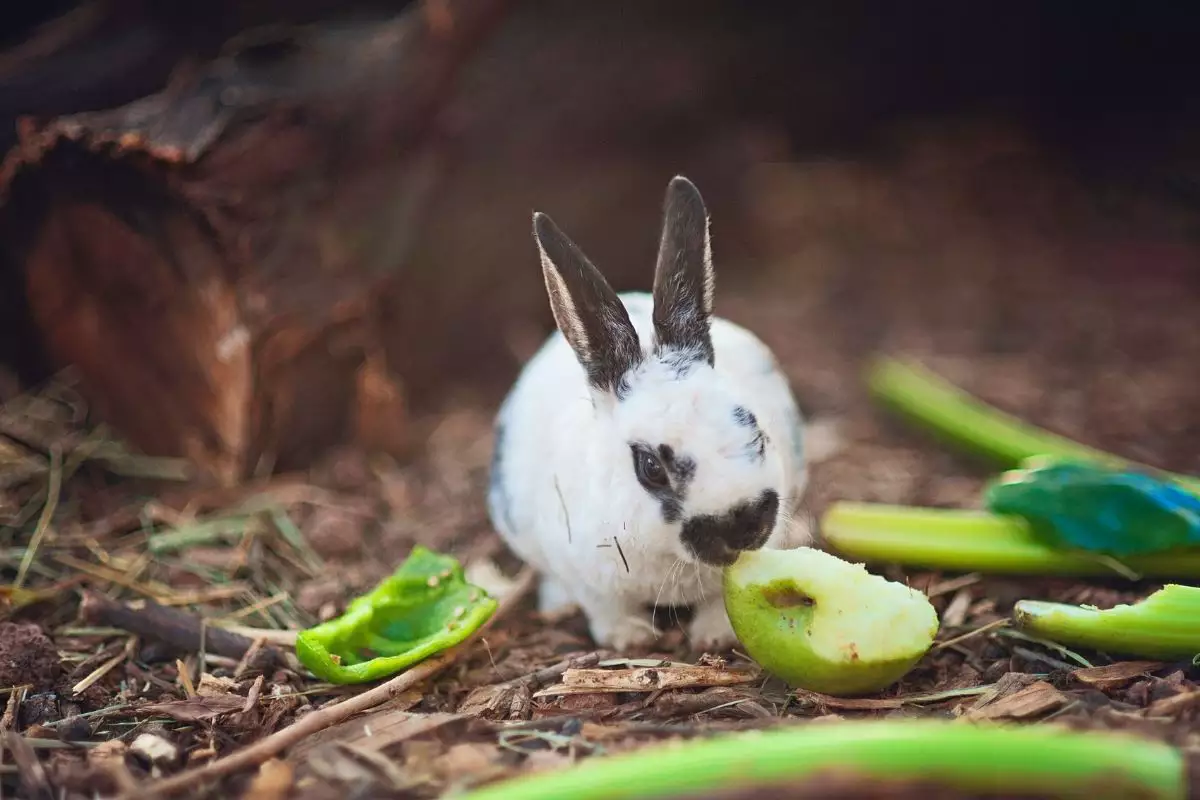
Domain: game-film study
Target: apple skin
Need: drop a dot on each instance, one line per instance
(772, 620)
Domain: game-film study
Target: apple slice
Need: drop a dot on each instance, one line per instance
(824, 624)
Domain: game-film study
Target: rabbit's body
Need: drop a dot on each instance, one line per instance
(574, 488)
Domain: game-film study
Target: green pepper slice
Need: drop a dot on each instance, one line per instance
(423, 608)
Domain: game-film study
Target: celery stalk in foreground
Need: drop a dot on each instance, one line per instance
(969, 422)
(965, 757)
(975, 541)
(1166, 625)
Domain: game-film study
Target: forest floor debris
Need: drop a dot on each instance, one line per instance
(151, 620)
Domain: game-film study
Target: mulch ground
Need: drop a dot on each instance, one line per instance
(961, 247)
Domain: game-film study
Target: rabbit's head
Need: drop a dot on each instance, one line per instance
(693, 472)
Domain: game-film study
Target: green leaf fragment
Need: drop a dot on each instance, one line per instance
(423, 608)
(1097, 508)
(1164, 626)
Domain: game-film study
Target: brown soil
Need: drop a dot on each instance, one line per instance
(27, 657)
(964, 247)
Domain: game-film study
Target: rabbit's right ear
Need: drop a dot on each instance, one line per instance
(586, 309)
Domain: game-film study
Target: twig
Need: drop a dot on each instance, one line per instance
(647, 679)
(30, 770)
(277, 742)
(991, 626)
(538, 679)
(43, 525)
(173, 627)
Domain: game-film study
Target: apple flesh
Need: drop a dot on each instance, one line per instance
(824, 624)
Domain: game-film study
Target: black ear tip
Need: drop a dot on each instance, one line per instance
(680, 183)
(683, 191)
(543, 226)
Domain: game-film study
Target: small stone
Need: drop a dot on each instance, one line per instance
(74, 729)
(39, 708)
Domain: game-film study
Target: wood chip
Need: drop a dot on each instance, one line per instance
(953, 584)
(1115, 675)
(1174, 706)
(1009, 683)
(884, 703)
(581, 704)
(375, 731)
(210, 685)
(850, 703)
(647, 679)
(273, 781)
(1033, 701)
(194, 709)
(956, 612)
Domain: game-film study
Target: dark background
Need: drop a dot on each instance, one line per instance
(1011, 180)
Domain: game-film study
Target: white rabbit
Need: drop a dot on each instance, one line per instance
(646, 443)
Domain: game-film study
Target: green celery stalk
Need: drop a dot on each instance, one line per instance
(1164, 626)
(967, 757)
(976, 541)
(968, 422)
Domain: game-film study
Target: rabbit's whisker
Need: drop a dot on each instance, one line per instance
(663, 585)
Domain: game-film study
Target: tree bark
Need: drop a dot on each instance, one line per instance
(210, 257)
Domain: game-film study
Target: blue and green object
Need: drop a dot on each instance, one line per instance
(1097, 508)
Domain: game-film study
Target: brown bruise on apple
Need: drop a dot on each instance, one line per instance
(785, 595)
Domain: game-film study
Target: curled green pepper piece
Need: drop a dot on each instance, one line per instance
(423, 608)
(1098, 508)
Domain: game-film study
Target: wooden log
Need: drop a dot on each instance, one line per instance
(210, 257)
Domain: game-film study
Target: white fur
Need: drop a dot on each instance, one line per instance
(566, 493)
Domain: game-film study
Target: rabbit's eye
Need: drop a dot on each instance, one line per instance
(649, 469)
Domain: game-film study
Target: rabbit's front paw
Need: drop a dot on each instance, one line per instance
(623, 631)
(553, 598)
(710, 628)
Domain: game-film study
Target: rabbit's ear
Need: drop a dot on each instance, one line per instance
(683, 277)
(586, 309)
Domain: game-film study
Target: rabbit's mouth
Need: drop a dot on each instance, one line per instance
(718, 539)
(718, 554)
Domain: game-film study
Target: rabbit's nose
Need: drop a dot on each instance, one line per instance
(718, 538)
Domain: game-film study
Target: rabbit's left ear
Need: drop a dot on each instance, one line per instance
(683, 277)
(591, 317)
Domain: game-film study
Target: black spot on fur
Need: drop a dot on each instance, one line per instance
(498, 497)
(717, 539)
(757, 447)
(681, 470)
(624, 386)
(681, 361)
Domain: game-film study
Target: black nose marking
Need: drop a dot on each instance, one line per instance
(718, 538)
